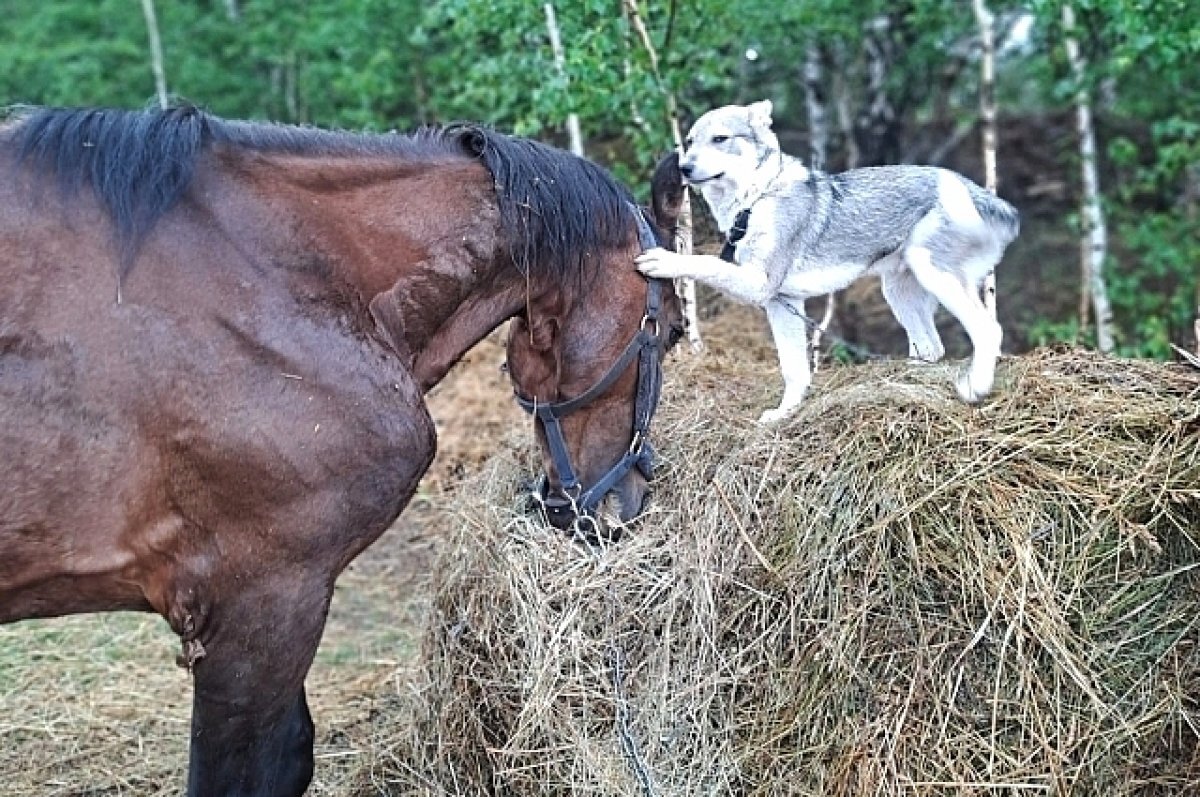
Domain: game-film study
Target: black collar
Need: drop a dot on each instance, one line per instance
(736, 233)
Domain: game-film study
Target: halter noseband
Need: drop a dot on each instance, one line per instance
(577, 502)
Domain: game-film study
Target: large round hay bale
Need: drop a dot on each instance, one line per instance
(892, 594)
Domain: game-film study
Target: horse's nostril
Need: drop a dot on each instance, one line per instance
(560, 511)
(686, 169)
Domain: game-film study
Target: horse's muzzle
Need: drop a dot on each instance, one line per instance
(566, 514)
(560, 510)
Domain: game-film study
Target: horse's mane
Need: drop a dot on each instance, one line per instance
(555, 208)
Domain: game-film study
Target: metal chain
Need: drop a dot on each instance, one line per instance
(628, 742)
(857, 351)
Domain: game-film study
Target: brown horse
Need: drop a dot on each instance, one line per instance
(214, 341)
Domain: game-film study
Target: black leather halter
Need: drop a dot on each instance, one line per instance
(576, 502)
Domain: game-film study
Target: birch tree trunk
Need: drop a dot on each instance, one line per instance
(814, 102)
(876, 121)
(818, 131)
(1193, 194)
(987, 115)
(574, 135)
(1094, 243)
(683, 232)
(232, 11)
(156, 55)
(290, 101)
(841, 103)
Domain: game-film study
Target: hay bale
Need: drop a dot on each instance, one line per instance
(892, 594)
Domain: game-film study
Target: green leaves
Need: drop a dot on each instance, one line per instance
(384, 64)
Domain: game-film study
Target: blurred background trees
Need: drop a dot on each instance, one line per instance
(897, 81)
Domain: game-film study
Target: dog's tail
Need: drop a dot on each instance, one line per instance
(666, 193)
(1001, 218)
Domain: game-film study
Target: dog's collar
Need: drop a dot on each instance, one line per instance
(738, 230)
(736, 233)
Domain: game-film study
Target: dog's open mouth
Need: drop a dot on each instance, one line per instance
(698, 181)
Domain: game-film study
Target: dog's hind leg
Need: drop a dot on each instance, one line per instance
(964, 303)
(914, 308)
(791, 341)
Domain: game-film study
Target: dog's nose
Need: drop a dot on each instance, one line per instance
(686, 169)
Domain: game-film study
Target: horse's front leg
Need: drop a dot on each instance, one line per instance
(252, 735)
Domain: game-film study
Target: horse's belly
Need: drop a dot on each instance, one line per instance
(59, 523)
(65, 494)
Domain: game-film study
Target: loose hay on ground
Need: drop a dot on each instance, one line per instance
(892, 594)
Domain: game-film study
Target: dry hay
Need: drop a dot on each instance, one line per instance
(892, 594)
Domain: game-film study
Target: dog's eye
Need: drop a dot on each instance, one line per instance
(719, 139)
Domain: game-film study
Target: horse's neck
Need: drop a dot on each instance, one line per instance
(417, 243)
(466, 326)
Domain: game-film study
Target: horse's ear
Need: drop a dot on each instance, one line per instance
(537, 366)
(543, 332)
(666, 193)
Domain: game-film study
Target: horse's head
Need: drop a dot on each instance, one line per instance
(587, 364)
(585, 351)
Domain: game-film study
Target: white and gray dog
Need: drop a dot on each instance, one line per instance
(931, 234)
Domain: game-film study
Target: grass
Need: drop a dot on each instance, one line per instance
(95, 704)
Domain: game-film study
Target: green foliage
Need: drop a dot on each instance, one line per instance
(384, 64)
(333, 62)
(1138, 52)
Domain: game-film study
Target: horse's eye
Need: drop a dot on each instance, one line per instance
(687, 143)
(719, 139)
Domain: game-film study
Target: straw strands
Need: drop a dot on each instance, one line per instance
(891, 594)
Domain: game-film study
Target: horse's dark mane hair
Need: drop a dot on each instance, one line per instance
(556, 209)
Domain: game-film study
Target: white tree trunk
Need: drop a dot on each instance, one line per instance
(841, 103)
(232, 11)
(877, 117)
(818, 132)
(1196, 323)
(814, 101)
(1094, 244)
(290, 93)
(987, 114)
(683, 231)
(574, 135)
(1190, 201)
(156, 54)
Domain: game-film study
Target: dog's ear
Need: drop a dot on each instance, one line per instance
(760, 114)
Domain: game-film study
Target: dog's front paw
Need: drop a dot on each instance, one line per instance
(660, 263)
(773, 416)
(971, 390)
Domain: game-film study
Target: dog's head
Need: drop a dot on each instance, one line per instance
(728, 144)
